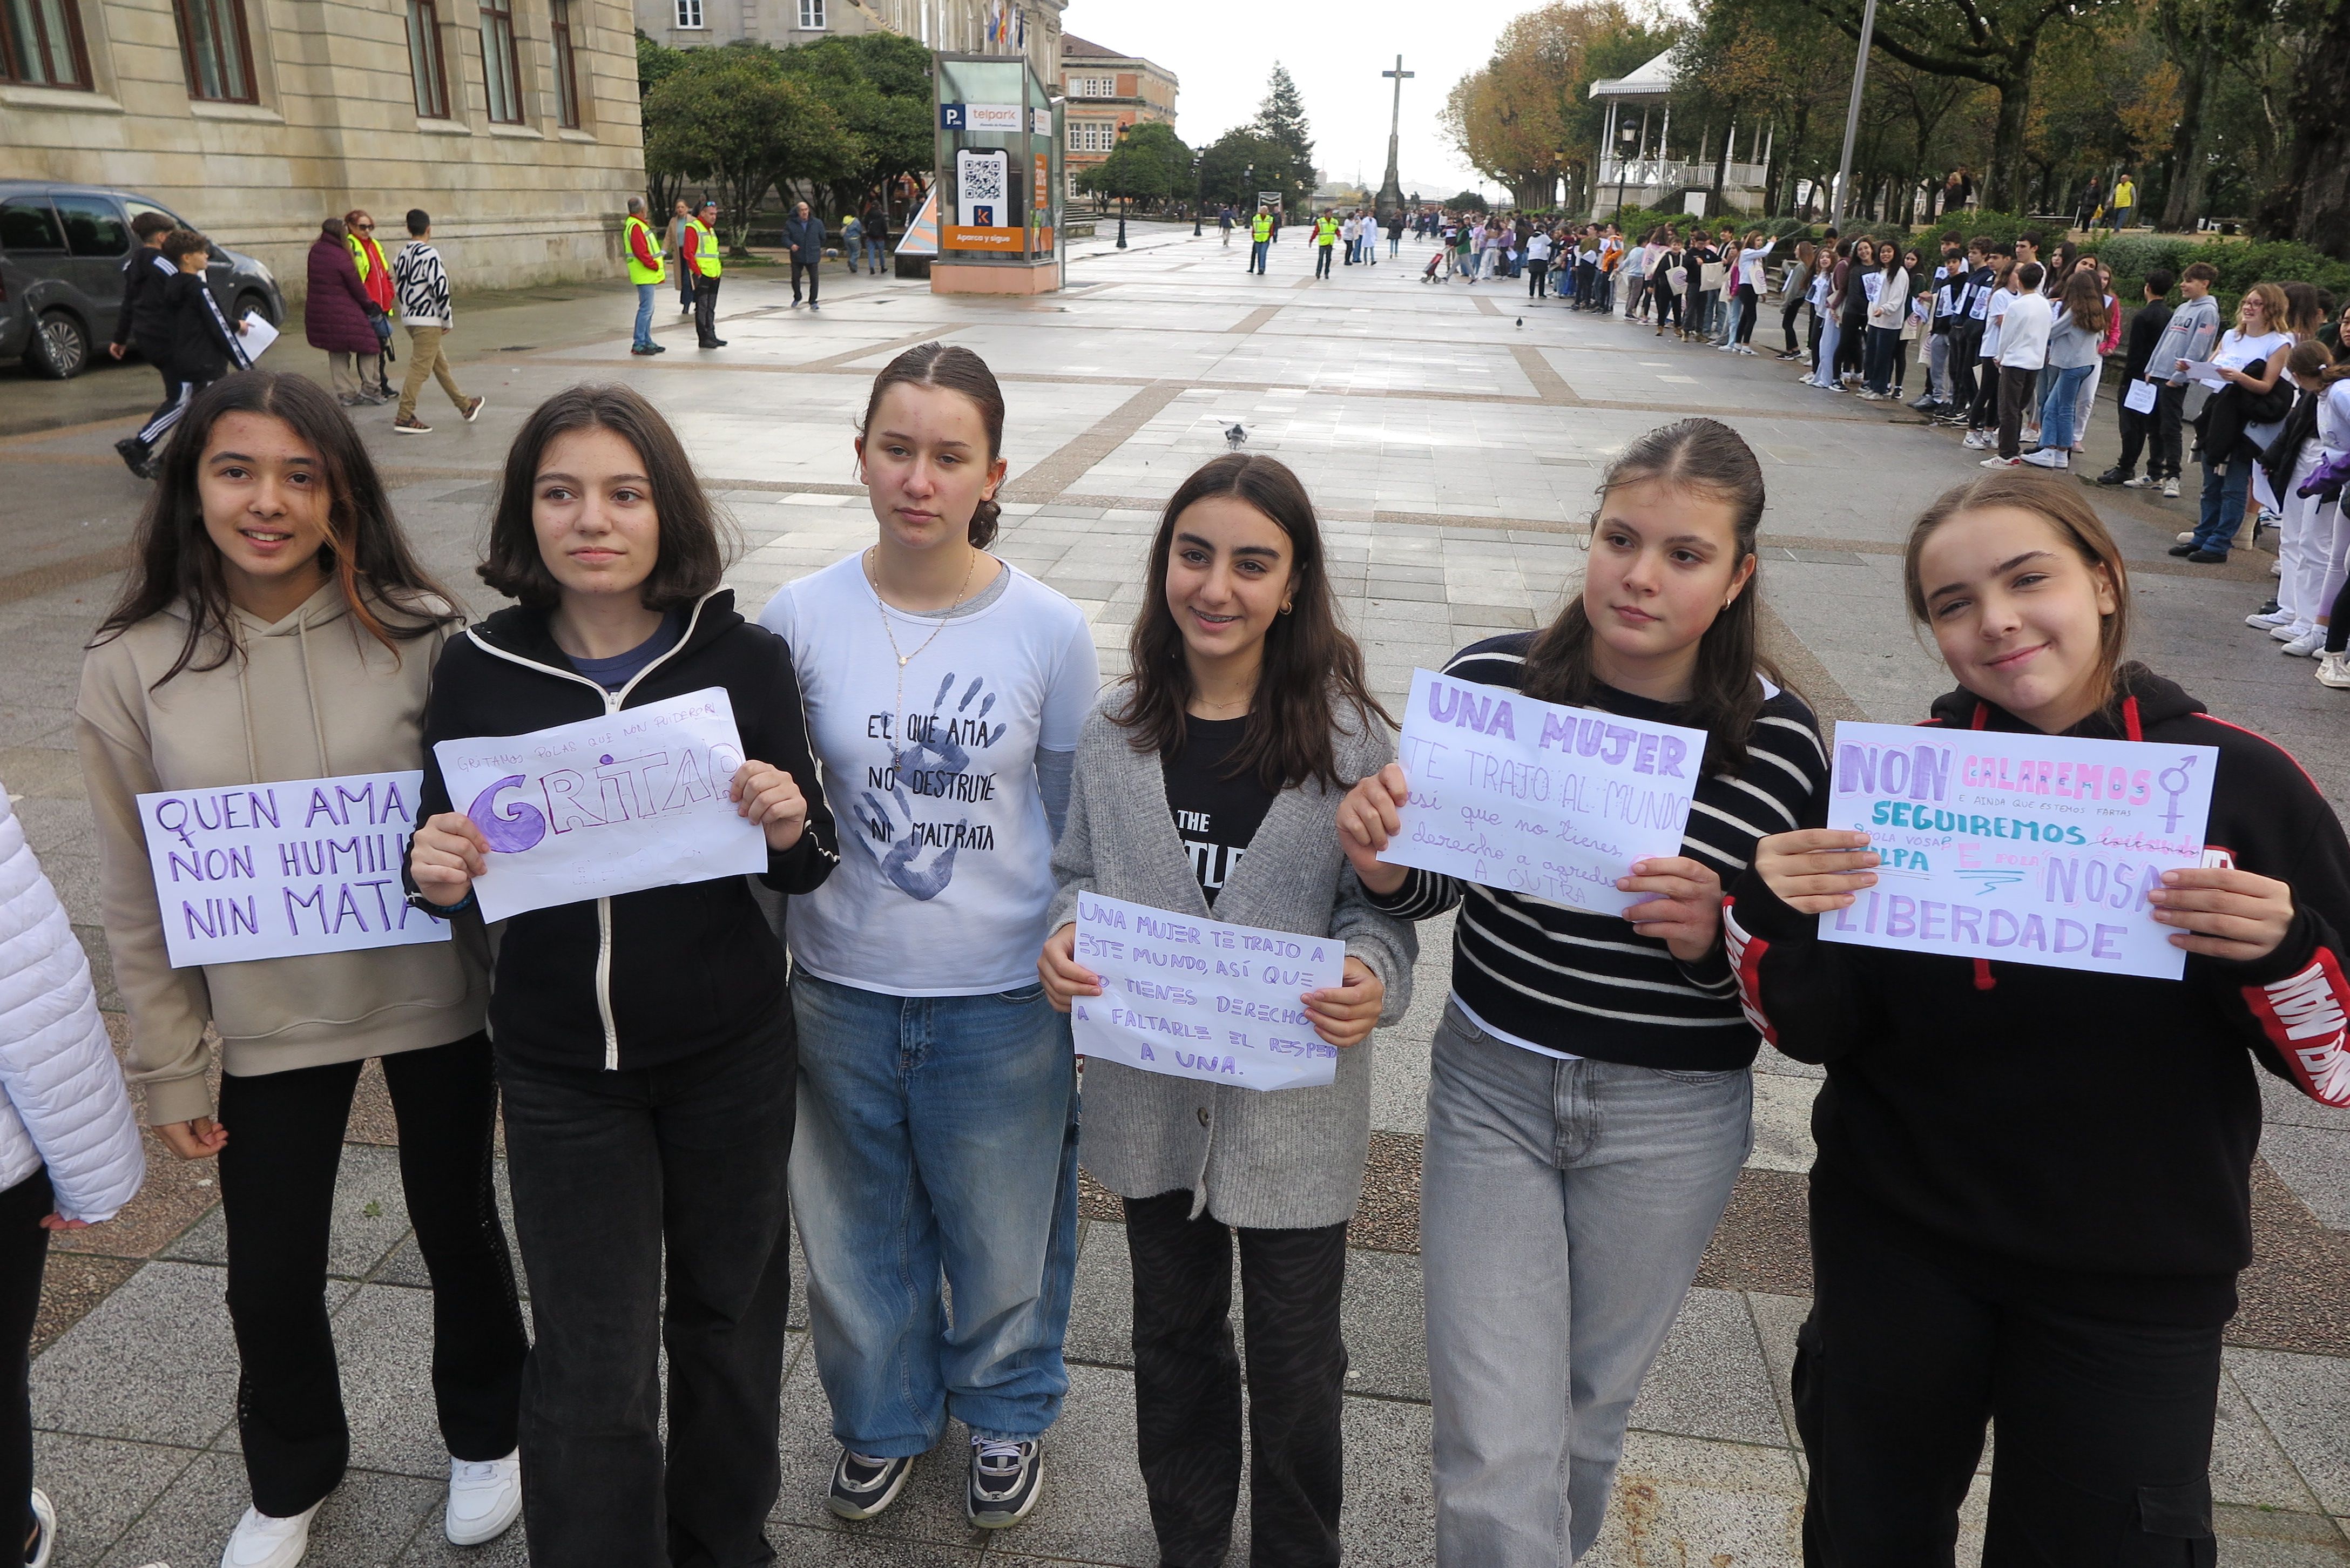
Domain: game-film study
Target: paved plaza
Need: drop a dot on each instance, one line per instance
(1452, 437)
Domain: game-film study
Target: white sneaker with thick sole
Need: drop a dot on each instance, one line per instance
(2047, 457)
(44, 1521)
(2308, 645)
(2170, 490)
(2333, 670)
(261, 1541)
(2285, 630)
(2186, 537)
(484, 1498)
(2274, 617)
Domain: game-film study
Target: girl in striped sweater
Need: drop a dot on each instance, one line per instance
(1590, 1098)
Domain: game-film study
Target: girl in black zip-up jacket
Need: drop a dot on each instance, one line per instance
(644, 1042)
(2031, 1198)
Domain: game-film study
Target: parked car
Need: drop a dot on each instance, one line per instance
(61, 253)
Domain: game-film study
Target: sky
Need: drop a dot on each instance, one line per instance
(1222, 50)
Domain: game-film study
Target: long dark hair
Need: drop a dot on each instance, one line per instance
(958, 369)
(1312, 668)
(1709, 458)
(695, 537)
(177, 564)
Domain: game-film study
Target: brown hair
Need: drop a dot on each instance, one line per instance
(1311, 680)
(2274, 308)
(2311, 358)
(2084, 298)
(1706, 458)
(332, 229)
(2201, 271)
(695, 536)
(2304, 314)
(2061, 506)
(175, 562)
(184, 242)
(958, 369)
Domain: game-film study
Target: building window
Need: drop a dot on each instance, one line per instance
(812, 15)
(566, 72)
(214, 49)
(689, 13)
(425, 71)
(1093, 136)
(40, 44)
(1093, 86)
(500, 70)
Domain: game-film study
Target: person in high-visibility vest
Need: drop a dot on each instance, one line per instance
(1325, 240)
(646, 270)
(359, 233)
(700, 257)
(1260, 236)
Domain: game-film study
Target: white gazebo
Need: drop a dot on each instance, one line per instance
(1637, 166)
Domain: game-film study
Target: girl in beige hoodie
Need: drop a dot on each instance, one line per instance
(274, 627)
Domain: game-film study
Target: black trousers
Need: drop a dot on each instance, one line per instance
(2138, 428)
(2104, 1428)
(1985, 414)
(1746, 311)
(1187, 1384)
(626, 1183)
(1535, 267)
(1966, 339)
(815, 270)
(705, 310)
(24, 1252)
(2016, 389)
(2170, 411)
(277, 1191)
(1668, 306)
(1787, 320)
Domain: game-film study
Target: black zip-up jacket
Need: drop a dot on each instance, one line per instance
(204, 344)
(2145, 331)
(641, 979)
(2085, 1139)
(144, 322)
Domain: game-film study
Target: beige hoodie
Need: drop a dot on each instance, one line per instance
(314, 696)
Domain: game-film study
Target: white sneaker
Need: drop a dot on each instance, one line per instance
(44, 1521)
(2143, 481)
(2276, 569)
(2047, 457)
(2285, 630)
(1974, 441)
(2308, 645)
(1997, 461)
(484, 1498)
(2274, 617)
(261, 1541)
(2333, 670)
(2170, 490)
(2186, 537)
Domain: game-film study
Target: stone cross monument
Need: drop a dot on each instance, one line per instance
(1390, 200)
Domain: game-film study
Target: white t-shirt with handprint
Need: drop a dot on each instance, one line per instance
(945, 858)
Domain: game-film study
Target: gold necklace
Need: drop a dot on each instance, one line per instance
(898, 706)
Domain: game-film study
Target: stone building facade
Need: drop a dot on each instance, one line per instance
(1030, 27)
(1106, 91)
(514, 122)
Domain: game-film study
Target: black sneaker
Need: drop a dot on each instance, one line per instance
(134, 453)
(1006, 1478)
(863, 1487)
(2112, 477)
(2182, 550)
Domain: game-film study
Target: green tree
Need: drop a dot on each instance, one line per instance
(879, 86)
(1149, 164)
(1230, 166)
(733, 117)
(1280, 125)
(1466, 202)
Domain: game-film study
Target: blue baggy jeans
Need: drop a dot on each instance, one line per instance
(644, 336)
(2224, 484)
(936, 1152)
(1564, 1209)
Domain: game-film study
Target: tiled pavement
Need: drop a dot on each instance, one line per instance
(1452, 439)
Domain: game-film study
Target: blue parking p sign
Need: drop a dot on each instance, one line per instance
(951, 117)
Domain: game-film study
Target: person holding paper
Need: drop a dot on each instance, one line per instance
(1590, 1099)
(2031, 1198)
(938, 1139)
(645, 1046)
(2244, 369)
(1245, 715)
(275, 625)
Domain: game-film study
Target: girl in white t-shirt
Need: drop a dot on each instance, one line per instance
(937, 1140)
(2258, 337)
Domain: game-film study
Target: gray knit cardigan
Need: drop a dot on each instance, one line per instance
(1279, 1159)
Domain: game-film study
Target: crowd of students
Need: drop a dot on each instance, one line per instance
(676, 1093)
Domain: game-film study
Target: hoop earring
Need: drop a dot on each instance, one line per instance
(1285, 609)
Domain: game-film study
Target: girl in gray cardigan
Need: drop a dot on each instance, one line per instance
(1210, 781)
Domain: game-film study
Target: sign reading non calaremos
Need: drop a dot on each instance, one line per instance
(633, 800)
(2027, 847)
(1537, 798)
(1196, 998)
(279, 870)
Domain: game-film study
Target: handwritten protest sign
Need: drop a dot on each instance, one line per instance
(273, 870)
(633, 800)
(1195, 997)
(1536, 798)
(2032, 849)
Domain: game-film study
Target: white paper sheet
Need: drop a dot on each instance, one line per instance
(2139, 399)
(633, 800)
(1537, 798)
(257, 337)
(1195, 998)
(273, 870)
(2027, 848)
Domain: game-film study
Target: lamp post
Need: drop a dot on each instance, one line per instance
(1622, 137)
(1121, 200)
(1199, 190)
(1852, 112)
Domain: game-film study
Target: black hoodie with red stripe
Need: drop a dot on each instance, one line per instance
(2075, 1136)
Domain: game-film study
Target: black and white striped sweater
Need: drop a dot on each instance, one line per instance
(422, 287)
(1585, 984)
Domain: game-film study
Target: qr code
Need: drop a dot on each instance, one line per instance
(984, 178)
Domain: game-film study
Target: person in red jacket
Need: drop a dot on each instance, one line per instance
(2032, 1193)
(358, 230)
(336, 315)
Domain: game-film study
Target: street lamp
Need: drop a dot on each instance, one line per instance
(1121, 200)
(1199, 190)
(1622, 137)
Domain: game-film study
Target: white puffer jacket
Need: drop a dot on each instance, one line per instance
(62, 1101)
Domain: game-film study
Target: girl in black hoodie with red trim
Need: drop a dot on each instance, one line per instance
(2031, 1198)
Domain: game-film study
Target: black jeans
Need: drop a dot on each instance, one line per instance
(277, 1192)
(1966, 339)
(24, 1252)
(1787, 320)
(2136, 428)
(1746, 309)
(2104, 1428)
(2016, 389)
(815, 270)
(1668, 306)
(705, 310)
(625, 1182)
(2169, 410)
(1535, 267)
(1187, 1384)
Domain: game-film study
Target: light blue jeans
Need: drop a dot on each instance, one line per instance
(645, 315)
(1824, 374)
(937, 1150)
(1564, 1209)
(2059, 401)
(874, 255)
